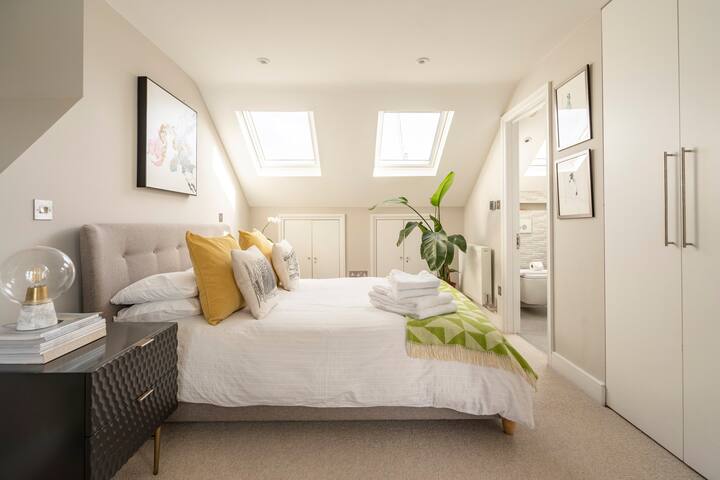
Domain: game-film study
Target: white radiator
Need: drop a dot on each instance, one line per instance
(477, 278)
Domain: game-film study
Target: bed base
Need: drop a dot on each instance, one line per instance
(198, 412)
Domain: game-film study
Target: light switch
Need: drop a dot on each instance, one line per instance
(220, 217)
(42, 209)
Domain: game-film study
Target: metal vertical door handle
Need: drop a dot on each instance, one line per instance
(665, 196)
(683, 151)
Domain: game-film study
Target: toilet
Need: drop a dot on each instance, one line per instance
(533, 287)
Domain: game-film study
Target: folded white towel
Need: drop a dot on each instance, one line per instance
(419, 314)
(415, 302)
(400, 280)
(404, 294)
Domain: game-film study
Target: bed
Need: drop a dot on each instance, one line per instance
(324, 353)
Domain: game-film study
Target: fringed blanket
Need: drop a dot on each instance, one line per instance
(464, 336)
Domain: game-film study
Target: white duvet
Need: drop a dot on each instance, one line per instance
(324, 345)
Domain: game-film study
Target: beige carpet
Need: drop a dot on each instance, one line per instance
(574, 439)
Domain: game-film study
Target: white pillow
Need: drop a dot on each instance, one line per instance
(255, 278)
(162, 286)
(286, 265)
(162, 311)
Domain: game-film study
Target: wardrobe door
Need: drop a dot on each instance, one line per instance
(299, 234)
(411, 251)
(642, 270)
(326, 249)
(388, 255)
(700, 120)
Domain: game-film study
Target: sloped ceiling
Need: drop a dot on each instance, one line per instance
(345, 60)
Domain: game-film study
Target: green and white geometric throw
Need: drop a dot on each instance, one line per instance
(464, 336)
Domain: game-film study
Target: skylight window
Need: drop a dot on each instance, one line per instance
(410, 143)
(538, 165)
(282, 143)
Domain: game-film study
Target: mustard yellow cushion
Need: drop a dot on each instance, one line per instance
(212, 262)
(256, 237)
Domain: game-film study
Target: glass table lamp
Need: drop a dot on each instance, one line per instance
(34, 278)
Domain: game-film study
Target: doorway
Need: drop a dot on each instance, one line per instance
(527, 221)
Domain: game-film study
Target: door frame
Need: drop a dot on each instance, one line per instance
(318, 216)
(373, 233)
(510, 302)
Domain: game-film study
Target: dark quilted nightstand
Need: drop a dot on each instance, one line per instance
(86, 413)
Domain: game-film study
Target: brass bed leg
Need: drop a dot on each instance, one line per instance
(508, 426)
(156, 456)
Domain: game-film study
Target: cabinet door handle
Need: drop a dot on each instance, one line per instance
(145, 395)
(147, 342)
(683, 151)
(665, 196)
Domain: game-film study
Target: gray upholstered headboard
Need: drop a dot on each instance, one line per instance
(114, 255)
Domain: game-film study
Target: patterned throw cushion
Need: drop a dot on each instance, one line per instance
(255, 278)
(286, 265)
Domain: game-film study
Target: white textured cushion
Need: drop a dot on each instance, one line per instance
(162, 311)
(162, 286)
(255, 278)
(286, 264)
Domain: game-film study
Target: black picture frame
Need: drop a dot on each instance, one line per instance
(154, 172)
(589, 191)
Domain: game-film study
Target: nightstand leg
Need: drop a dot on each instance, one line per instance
(156, 457)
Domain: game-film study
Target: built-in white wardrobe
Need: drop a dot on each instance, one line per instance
(319, 242)
(406, 257)
(661, 100)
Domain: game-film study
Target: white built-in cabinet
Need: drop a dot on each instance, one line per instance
(387, 255)
(661, 109)
(319, 242)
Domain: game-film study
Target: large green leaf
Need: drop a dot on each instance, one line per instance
(436, 222)
(442, 189)
(405, 232)
(391, 201)
(434, 248)
(458, 241)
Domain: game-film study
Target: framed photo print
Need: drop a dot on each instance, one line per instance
(573, 179)
(572, 110)
(167, 140)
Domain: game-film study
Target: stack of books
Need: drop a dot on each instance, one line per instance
(72, 331)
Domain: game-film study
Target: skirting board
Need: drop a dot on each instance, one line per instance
(583, 380)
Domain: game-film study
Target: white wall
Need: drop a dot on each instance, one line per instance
(86, 161)
(579, 244)
(41, 69)
(357, 226)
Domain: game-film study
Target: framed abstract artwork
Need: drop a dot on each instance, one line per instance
(167, 140)
(572, 110)
(573, 178)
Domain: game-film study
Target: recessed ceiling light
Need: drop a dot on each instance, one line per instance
(423, 60)
(263, 60)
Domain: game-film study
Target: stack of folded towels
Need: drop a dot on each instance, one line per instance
(413, 295)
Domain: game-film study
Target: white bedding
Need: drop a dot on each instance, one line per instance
(324, 345)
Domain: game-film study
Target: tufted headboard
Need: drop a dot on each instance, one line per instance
(114, 255)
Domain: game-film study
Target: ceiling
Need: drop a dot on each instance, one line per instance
(345, 60)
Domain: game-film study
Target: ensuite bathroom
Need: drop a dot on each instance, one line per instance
(533, 226)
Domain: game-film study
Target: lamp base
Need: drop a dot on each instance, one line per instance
(34, 317)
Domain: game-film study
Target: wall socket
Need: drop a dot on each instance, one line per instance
(42, 209)
(357, 273)
(494, 204)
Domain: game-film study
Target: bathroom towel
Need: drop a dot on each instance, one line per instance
(383, 294)
(407, 281)
(405, 294)
(418, 314)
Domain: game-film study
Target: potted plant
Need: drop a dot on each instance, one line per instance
(437, 248)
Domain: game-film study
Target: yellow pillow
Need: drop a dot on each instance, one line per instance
(256, 237)
(212, 262)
